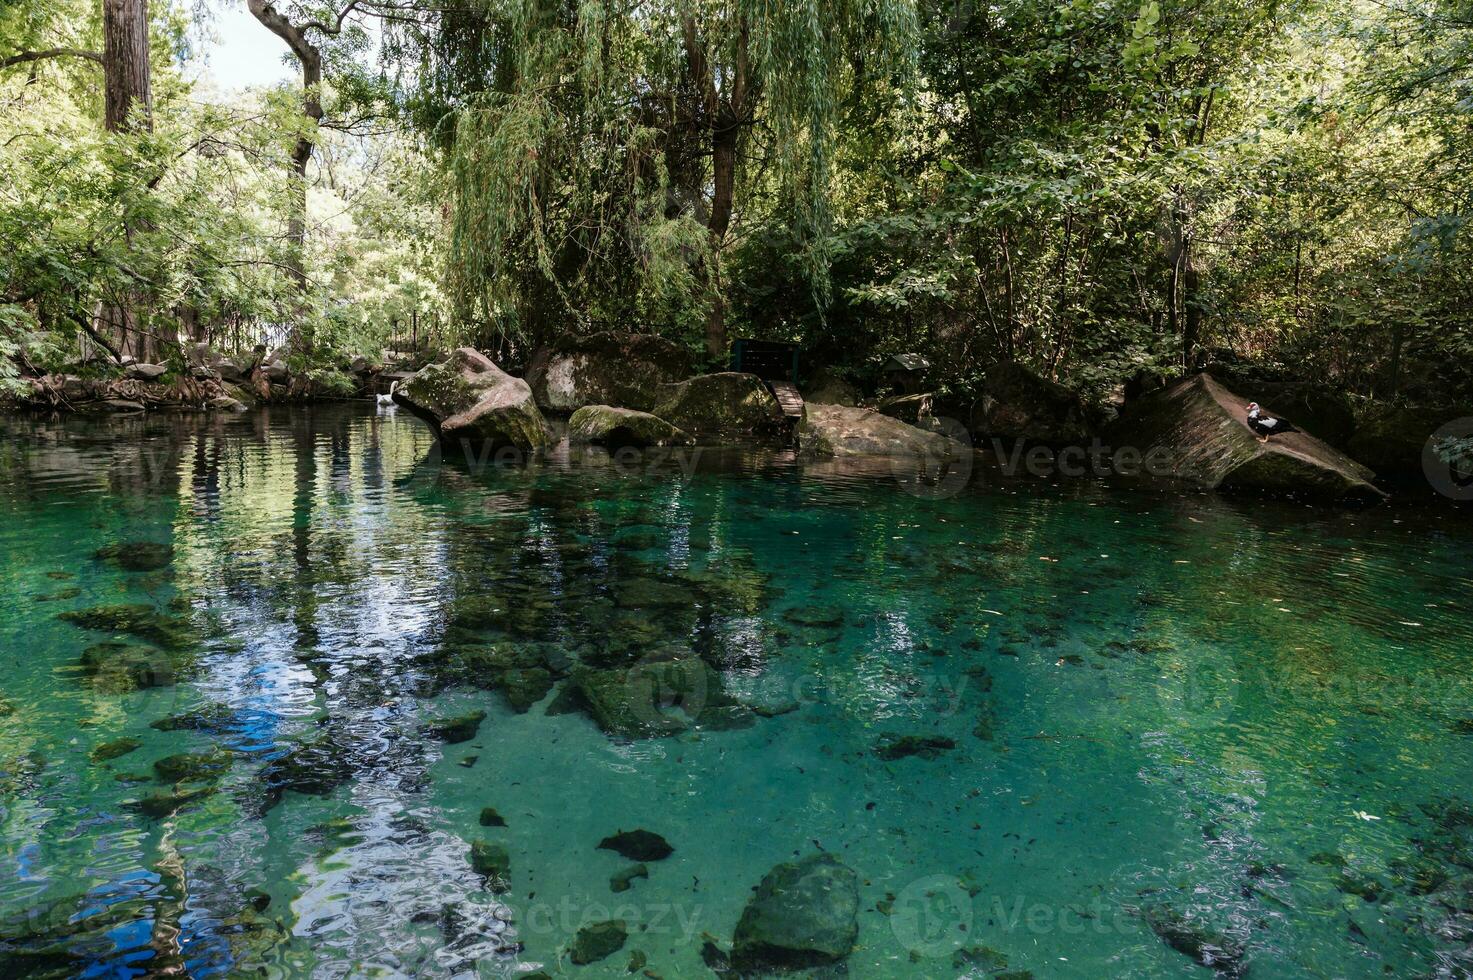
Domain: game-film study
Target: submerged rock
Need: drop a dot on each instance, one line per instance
(136, 619)
(214, 718)
(137, 556)
(804, 914)
(834, 430)
(597, 941)
(894, 747)
(192, 767)
(1190, 938)
(1195, 432)
(118, 668)
(619, 427)
(164, 803)
(492, 861)
(725, 406)
(452, 731)
(637, 845)
(490, 818)
(525, 686)
(312, 768)
(115, 749)
(467, 397)
(649, 700)
(622, 881)
(606, 368)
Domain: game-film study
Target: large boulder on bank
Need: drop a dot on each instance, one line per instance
(829, 387)
(604, 425)
(1391, 438)
(1196, 432)
(804, 914)
(909, 408)
(206, 362)
(837, 430)
(145, 372)
(728, 405)
(606, 368)
(468, 397)
(1016, 403)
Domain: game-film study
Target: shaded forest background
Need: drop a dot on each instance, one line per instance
(1103, 190)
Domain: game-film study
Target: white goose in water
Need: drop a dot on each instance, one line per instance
(389, 398)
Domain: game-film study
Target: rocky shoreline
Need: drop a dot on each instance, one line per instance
(625, 391)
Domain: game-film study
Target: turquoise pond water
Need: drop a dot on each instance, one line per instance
(1171, 719)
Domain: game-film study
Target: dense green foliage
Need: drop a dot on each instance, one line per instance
(1098, 188)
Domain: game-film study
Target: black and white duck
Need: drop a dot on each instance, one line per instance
(1265, 425)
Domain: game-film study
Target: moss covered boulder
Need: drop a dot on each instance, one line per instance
(115, 667)
(470, 401)
(604, 425)
(650, 699)
(1196, 432)
(606, 368)
(137, 556)
(1019, 404)
(597, 941)
(835, 430)
(724, 407)
(1391, 439)
(804, 914)
(136, 619)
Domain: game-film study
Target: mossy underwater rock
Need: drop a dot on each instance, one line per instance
(597, 941)
(1205, 946)
(454, 730)
(895, 747)
(834, 430)
(136, 619)
(137, 556)
(605, 368)
(804, 914)
(1196, 432)
(186, 767)
(120, 668)
(473, 404)
(725, 406)
(603, 425)
(637, 845)
(648, 700)
(493, 862)
(622, 881)
(115, 749)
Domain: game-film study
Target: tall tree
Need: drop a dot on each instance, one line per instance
(309, 59)
(128, 107)
(602, 160)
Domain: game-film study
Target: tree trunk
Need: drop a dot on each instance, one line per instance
(725, 95)
(127, 92)
(309, 56)
(723, 183)
(128, 106)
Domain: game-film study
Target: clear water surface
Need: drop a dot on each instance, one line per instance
(1168, 716)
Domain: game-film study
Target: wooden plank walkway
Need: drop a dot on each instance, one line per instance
(787, 396)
